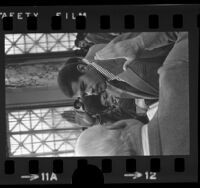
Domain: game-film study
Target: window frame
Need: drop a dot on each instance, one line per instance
(40, 106)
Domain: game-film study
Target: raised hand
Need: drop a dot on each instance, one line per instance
(83, 119)
(69, 116)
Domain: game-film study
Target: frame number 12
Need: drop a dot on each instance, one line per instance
(150, 175)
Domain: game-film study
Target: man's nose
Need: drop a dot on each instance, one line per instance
(91, 91)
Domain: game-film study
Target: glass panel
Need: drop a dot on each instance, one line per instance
(20, 40)
(14, 148)
(16, 37)
(9, 37)
(16, 128)
(39, 131)
(51, 145)
(39, 43)
(58, 48)
(27, 140)
(28, 147)
(7, 42)
(36, 147)
(50, 138)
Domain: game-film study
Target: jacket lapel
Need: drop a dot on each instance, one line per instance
(115, 66)
(137, 82)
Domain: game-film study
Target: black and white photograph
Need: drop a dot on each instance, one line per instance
(97, 94)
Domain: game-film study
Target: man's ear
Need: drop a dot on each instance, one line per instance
(82, 68)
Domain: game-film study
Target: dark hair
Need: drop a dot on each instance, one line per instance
(86, 48)
(79, 37)
(68, 74)
(76, 42)
(92, 104)
(78, 104)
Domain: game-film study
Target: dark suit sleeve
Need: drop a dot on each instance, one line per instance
(169, 129)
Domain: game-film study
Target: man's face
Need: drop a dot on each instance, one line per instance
(88, 84)
(108, 100)
(82, 44)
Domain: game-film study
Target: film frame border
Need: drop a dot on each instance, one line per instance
(141, 16)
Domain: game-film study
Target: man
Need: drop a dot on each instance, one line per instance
(107, 109)
(167, 133)
(139, 80)
(76, 79)
(100, 109)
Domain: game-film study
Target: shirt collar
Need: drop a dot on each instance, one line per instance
(86, 61)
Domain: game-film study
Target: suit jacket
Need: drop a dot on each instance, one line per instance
(168, 131)
(99, 38)
(141, 78)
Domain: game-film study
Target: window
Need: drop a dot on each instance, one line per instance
(39, 43)
(41, 133)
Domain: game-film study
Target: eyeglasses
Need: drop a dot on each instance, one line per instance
(78, 104)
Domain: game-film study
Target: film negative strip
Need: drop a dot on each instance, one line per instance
(101, 94)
